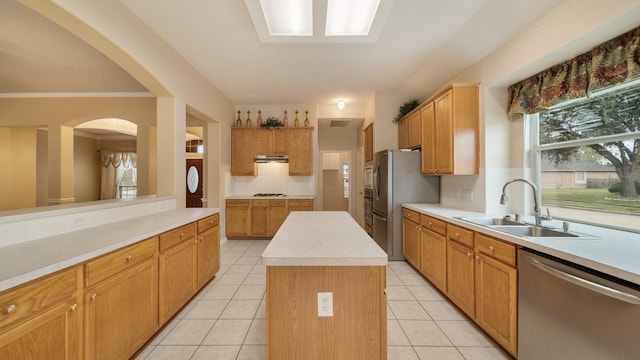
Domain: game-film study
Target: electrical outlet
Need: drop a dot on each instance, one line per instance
(325, 304)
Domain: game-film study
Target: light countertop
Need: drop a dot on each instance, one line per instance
(322, 238)
(285, 197)
(612, 252)
(30, 260)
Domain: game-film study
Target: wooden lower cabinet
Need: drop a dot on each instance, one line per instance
(43, 318)
(277, 215)
(411, 241)
(121, 313)
(461, 277)
(497, 300)
(237, 218)
(357, 331)
(177, 278)
(433, 258)
(208, 249)
(259, 218)
(300, 205)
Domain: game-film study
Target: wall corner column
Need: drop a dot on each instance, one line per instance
(61, 184)
(171, 172)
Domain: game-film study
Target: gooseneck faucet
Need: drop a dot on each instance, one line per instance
(536, 206)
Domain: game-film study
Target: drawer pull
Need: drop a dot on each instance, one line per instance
(458, 235)
(477, 257)
(93, 296)
(129, 258)
(211, 222)
(468, 254)
(491, 248)
(74, 307)
(181, 235)
(11, 309)
(430, 224)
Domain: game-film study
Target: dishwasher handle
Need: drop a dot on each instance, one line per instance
(587, 284)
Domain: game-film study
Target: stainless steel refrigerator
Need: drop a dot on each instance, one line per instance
(397, 180)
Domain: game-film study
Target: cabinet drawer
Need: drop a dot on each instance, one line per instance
(177, 235)
(27, 300)
(260, 203)
(299, 202)
(112, 263)
(460, 235)
(496, 248)
(433, 224)
(411, 215)
(277, 203)
(208, 222)
(237, 203)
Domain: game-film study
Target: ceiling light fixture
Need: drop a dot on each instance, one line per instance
(350, 18)
(288, 17)
(340, 104)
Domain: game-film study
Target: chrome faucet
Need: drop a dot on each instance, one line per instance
(536, 207)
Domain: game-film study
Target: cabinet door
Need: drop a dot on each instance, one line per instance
(433, 258)
(122, 313)
(428, 139)
(301, 151)
(496, 300)
(208, 255)
(279, 141)
(444, 133)
(242, 152)
(52, 335)
(237, 219)
(177, 278)
(403, 138)
(277, 215)
(368, 145)
(460, 277)
(414, 130)
(263, 141)
(411, 242)
(259, 217)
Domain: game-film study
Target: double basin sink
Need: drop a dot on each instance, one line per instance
(522, 229)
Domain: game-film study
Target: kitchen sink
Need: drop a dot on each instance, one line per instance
(532, 231)
(491, 221)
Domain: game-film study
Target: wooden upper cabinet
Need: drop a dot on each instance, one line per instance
(409, 131)
(243, 152)
(450, 131)
(368, 145)
(301, 151)
(271, 141)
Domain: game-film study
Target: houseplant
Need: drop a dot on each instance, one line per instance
(272, 122)
(406, 108)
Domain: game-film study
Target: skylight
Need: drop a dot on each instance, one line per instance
(350, 18)
(288, 17)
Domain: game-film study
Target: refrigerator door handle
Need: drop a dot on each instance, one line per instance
(376, 180)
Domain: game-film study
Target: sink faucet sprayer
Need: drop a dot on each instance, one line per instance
(536, 207)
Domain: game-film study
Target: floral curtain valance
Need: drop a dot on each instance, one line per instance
(613, 62)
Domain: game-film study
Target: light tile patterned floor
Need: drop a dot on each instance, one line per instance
(226, 320)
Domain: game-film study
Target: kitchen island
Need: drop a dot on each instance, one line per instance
(315, 253)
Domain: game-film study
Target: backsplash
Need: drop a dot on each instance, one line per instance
(272, 178)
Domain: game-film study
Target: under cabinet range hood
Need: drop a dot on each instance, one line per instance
(262, 159)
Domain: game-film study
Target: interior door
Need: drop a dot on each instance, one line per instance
(194, 183)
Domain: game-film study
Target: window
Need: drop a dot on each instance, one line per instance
(587, 158)
(345, 179)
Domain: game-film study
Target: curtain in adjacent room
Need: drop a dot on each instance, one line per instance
(114, 166)
(613, 62)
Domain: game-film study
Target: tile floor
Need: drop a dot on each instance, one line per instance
(226, 320)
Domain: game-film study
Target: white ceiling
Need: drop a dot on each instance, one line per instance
(423, 44)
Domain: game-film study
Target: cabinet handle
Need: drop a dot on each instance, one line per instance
(181, 235)
(11, 309)
(457, 235)
(211, 222)
(129, 258)
(491, 248)
(93, 296)
(468, 254)
(477, 257)
(74, 307)
(430, 224)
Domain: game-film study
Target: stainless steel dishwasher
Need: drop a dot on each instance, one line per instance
(567, 311)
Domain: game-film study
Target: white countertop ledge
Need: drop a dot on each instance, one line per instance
(30, 260)
(322, 238)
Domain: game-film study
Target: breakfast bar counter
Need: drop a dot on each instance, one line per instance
(326, 296)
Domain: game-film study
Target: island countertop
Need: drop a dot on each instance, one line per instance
(322, 238)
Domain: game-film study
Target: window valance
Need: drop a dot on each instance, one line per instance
(613, 62)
